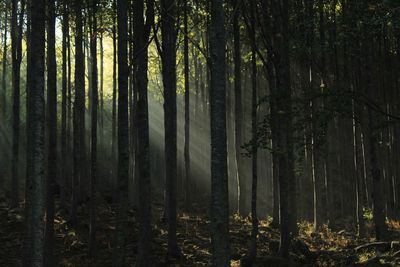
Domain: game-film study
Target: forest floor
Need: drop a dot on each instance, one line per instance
(324, 248)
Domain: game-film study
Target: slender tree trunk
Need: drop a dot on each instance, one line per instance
(94, 96)
(87, 33)
(238, 106)
(358, 166)
(123, 135)
(4, 65)
(187, 108)
(381, 231)
(140, 52)
(36, 153)
(275, 184)
(284, 128)
(69, 105)
(272, 82)
(64, 114)
(16, 56)
(219, 172)
(168, 58)
(28, 180)
(52, 132)
(254, 126)
(101, 82)
(64, 118)
(3, 92)
(318, 139)
(79, 114)
(381, 228)
(114, 106)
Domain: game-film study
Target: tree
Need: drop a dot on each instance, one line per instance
(16, 57)
(93, 161)
(4, 65)
(64, 100)
(3, 92)
(267, 31)
(379, 216)
(114, 100)
(219, 171)
(52, 131)
(283, 104)
(237, 58)
(78, 114)
(36, 153)
(187, 104)
(101, 118)
(141, 29)
(251, 28)
(318, 137)
(168, 58)
(123, 134)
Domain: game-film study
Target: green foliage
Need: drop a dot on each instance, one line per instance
(368, 214)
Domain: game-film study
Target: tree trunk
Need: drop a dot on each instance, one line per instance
(101, 118)
(79, 115)
(358, 166)
(381, 229)
(94, 96)
(70, 114)
(254, 130)
(238, 107)
(219, 172)
(319, 133)
(64, 119)
(140, 50)
(16, 56)
(114, 106)
(284, 128)
(52, 131)
(187, 109)
(36, 153)
(123, 135)
(168, 59)
(4, 65)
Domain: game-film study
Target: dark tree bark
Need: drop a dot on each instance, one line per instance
(187, 107)
(4, 65)
(3, 92)
(29, 153)
(381, 229)
(123, 135)
(87, 33)
(168, 59)
(94, 114)
(101, 82)
(318, 147)
(69, 102)
(52, 132)
(35, 165)
(371, 132)
(359, 172)
(280, 11)
(79, 115)
(254, 135)
(237, 59)
(219, 169)
(269, 66)
(64, 114)
(16, 57)
(141, 30)
(114, 103)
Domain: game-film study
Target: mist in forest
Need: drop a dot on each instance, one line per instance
(199, 133)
